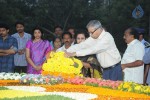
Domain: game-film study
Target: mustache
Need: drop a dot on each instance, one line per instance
(66, 41)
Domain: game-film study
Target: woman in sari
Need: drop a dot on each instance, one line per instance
(91, 67)
(36, 51)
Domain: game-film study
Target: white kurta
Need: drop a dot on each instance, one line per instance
(61, 48)
(134, 52)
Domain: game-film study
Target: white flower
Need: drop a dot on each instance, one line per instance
(73, 95)
(17, 78)
(1, 76)
(27, 88)
(6, 78)
(10, 76)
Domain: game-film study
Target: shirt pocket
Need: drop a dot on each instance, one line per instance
(129, 56)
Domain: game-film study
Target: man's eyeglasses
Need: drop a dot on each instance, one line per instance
(94, 31)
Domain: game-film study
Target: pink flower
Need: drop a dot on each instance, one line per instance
(80, 81)
(47, 80)
(100, 84)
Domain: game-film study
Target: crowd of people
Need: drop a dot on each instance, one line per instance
(25, 53)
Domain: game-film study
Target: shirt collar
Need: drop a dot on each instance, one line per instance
(102, 34)
(23, 35)
(132, 42)
(143, 41)
(6, 38)
(64, 48)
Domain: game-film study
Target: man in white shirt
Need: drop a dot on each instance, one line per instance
(132, 64)
(67, 40)
(102, 44)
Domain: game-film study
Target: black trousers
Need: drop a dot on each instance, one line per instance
(20, 69)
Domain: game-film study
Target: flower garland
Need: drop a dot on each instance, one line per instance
(11, 76)
(95, 82)
(9, 82)
(87, 85)
(66, 88)
(7, 79)
(103, 93)
(134, 87)
(108, 94)
(58, 64)
(40, 79)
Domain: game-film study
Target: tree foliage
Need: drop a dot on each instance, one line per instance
(115, 15)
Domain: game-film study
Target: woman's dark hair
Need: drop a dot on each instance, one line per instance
(134, 32)
(67, 33)
(42, 34)
(82, 32)
(54, 39)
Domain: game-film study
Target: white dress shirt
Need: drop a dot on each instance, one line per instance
(135, 51)
(104, 47)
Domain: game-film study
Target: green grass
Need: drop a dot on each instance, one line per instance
(46, 97)
(3, 88)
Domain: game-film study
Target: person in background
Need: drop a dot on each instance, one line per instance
(146, 59)
(8, 48)
(22, 38)
(67, 40)
(56, 43)
(91, 67)
(58, 30)
(36, 51)
(72, 31)
(132, 64)
(103, 45)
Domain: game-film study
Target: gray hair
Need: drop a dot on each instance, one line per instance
(94, 23)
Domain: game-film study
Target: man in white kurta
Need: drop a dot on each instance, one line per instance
(132, 64)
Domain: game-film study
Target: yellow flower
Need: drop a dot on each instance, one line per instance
(17, 93)
(138, 88)
(126, 85)
(60, 64)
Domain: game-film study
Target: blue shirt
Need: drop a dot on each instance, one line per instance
(7, 62)
(145, 43)
(20, 60)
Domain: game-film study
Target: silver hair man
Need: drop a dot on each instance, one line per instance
(94, 23)
(103, 45)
